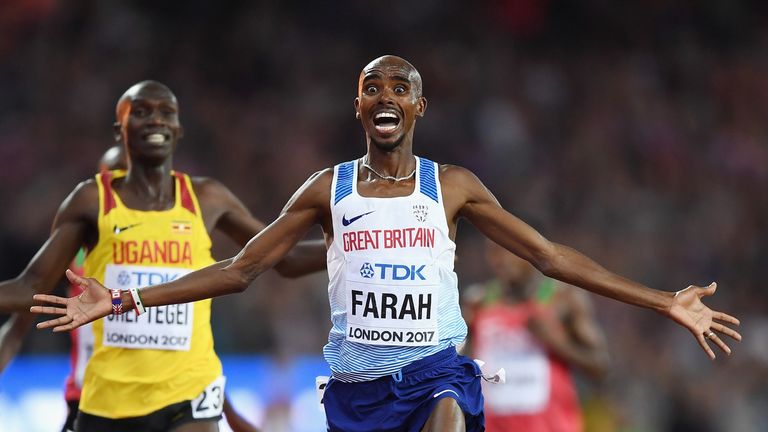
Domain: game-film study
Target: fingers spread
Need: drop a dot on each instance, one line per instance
(54, 322)
(726, 330)
(719, 342)
(67, 327)
(705, 346)
(709, 290)
(50, 310)
(76, 279)
(50, 299)
(720, 316)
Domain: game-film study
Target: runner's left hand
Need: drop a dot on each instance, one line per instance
(689, 311)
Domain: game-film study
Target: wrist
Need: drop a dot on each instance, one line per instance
(127, 301)
(665, 302)
(117, 301)
(138, 304)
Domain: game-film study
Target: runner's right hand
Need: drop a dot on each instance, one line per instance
(95, 302)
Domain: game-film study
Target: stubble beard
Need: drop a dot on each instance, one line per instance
(388, 147)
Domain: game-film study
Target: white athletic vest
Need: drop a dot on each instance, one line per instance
(392, 289)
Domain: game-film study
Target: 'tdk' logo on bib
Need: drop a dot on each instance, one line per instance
(397, 272)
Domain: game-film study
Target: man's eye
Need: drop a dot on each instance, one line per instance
(399, 89)
(371, 89)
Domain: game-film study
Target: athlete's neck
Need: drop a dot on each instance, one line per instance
(398, 163)
(152, 184)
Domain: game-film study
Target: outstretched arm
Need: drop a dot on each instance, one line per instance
(222, 208)
(308, 206)
(466, 196)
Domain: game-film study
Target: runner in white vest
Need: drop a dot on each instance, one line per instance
(395, 309)
(393, 292)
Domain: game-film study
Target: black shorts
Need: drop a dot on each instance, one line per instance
(69, 424)
(161, 420)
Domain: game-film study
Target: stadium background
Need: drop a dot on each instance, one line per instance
(636, 132)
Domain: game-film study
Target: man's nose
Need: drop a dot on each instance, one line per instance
(387, 96)
(156, 117)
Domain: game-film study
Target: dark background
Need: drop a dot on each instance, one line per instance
(633, 131)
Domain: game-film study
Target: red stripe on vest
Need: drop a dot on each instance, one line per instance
(109, 199)
(186, 196)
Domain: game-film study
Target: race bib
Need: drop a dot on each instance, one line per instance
(210, 402)
(161, 327)
(391, 302)
(527, 375)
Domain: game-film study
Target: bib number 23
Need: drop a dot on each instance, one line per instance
(210, 402)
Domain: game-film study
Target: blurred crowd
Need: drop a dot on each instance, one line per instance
(636, 132)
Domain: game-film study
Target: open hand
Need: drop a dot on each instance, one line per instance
(95, 302)
(688, 310)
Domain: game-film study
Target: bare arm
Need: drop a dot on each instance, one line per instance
(70, 229)
(12, 335)
(572, 334)
(308, 206)
(466, 196)
(229, 214)
(235, 421)
(578, 314)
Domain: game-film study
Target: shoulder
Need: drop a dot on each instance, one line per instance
(454, 174)
(317, 187)
(81, 204)
(462, 185)
(86, 194)
(214, 197)
(207, 186)
(321, 179)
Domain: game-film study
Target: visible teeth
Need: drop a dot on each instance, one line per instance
(386, 128)
(156, 138)
(385, 114)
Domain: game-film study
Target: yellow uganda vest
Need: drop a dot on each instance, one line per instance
(166, 355)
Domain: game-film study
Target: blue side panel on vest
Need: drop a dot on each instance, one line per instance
(428, 182)
(344, 181)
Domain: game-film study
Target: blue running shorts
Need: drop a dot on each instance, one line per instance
(404, 401)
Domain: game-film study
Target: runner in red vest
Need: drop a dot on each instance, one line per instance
(537, 330)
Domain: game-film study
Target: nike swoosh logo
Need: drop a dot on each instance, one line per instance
(118, 230)
(345, 221)
(444, 391)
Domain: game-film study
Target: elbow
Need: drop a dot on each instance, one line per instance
(241, 270)
(549, 262)
(239, 289)
(236, 280)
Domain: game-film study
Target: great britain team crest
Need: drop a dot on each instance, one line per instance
(420, 212)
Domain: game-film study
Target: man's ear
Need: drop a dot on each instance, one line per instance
(357, 108)
(117, 133)
(421, 106)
